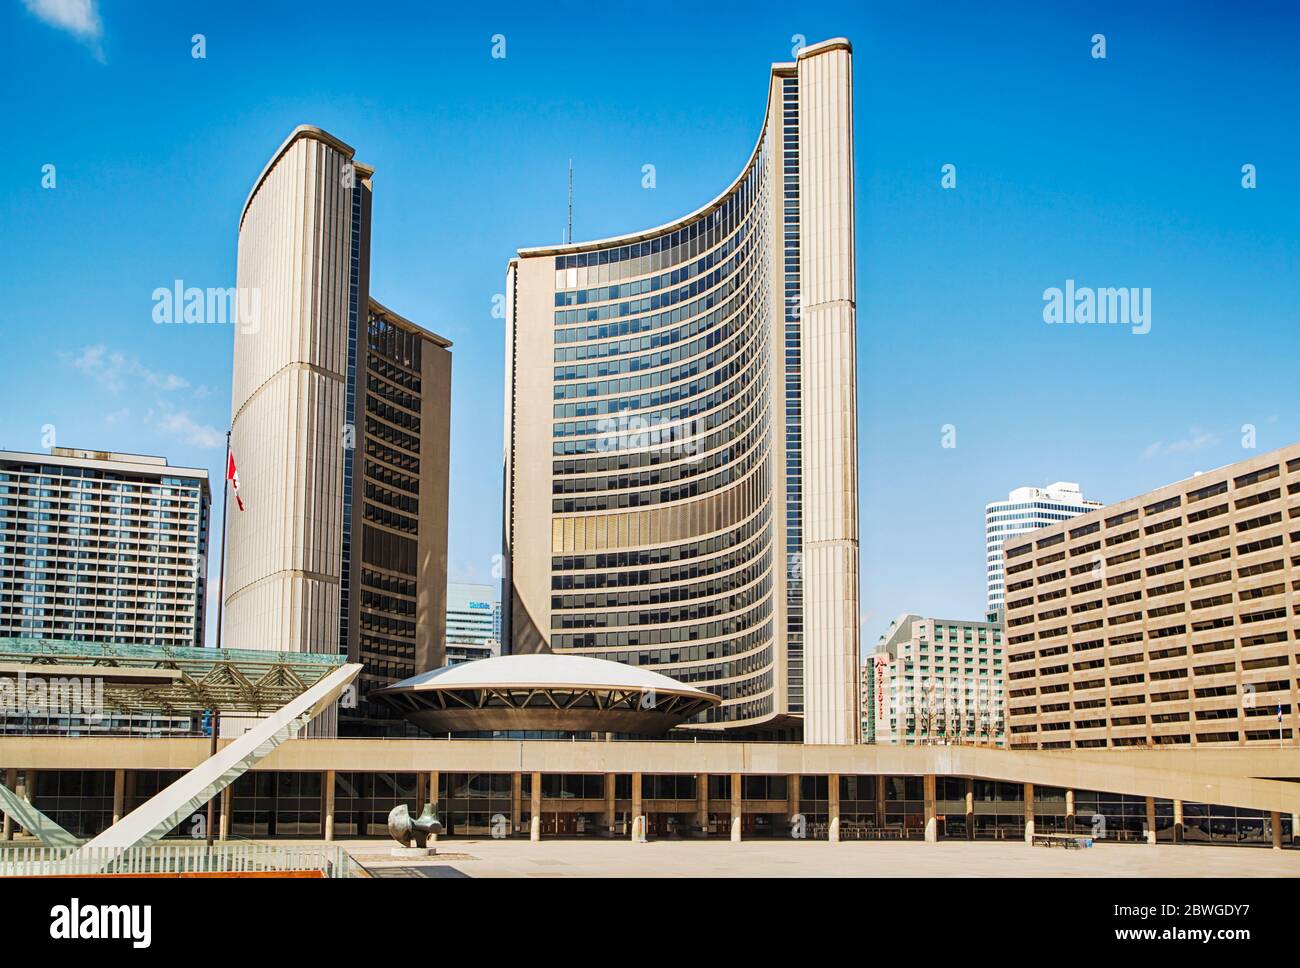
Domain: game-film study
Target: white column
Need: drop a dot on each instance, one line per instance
(828, 393)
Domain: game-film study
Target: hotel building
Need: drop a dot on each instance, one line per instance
(938, 681)
(1025, 509)
(472, 614)
(102, 547)
(1169, 619)
(340, 427)
(688, 502)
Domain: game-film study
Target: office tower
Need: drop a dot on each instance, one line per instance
(1024, 510)
(1168, 619)
(471, 622)
(102, 547)
(681, 432)
(340, 428)
(938, 681)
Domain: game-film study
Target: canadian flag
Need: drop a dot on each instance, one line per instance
(232, 475)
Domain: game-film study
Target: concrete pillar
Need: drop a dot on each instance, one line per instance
(1069, 811)
(1029, 813)
(792, 797)
(431, 797)
(119, 794)
(1276, 819)
(702, 804)
(26, 790)
(1295, 828)
(880, 801)
(535, 807)
(607, 817)
(223, 816)
(329, 804)
(970, 808)
(11, 781)
(421, 791)
(931, 809)
(516, 802)
(737, 808)
(833, 808)
(1178, 821)
(1151, 820)
(636, 802)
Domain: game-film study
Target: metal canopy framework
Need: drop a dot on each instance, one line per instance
(48, 675)
(171, 680)
(151, 821)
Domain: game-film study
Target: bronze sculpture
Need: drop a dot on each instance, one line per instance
(404, 829)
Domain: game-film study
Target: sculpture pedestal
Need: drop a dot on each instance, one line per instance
(412, 852)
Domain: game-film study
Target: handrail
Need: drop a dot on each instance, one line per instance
(172, 858)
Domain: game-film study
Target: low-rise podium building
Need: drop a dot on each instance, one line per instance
(1169, 619)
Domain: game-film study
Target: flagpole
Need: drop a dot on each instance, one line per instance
(221, 607)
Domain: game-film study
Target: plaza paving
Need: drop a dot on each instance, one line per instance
(768, 858)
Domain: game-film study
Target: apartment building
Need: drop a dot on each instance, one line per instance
(1172, 618)
(102, 547)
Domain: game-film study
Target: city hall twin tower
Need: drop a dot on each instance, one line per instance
(680, 481)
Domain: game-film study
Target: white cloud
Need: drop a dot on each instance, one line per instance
(1197, 440)
(462, 571)
(179, 424)
(78, 17)
(114, 371)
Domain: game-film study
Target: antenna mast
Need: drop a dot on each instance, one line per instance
(569, 234)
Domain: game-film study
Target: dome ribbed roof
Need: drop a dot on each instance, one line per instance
(543, 669)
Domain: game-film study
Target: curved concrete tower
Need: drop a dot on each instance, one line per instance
(681, 435)
(340, 415)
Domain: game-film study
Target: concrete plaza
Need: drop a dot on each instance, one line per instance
(773, 858)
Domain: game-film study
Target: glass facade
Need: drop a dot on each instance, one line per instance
(792, 320)
(362, 801)
(79, 801)
(387, 473)
(292, 804)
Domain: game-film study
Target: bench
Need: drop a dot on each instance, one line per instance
(1067, 841)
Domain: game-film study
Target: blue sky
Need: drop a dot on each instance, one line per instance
(1117, 172)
